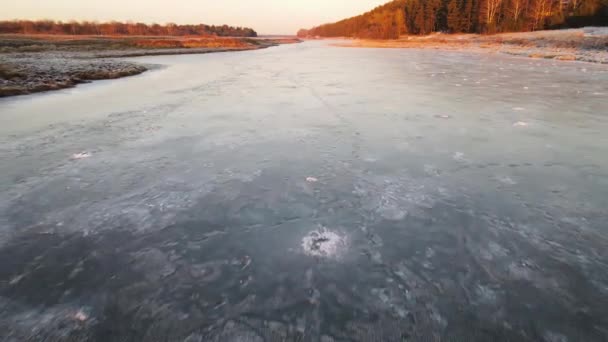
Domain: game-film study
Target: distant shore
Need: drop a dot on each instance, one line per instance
(586, 45)
(36, 63)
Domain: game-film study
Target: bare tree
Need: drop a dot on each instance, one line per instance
(575, 5)
(490, 11)
(74, 27)
(540, 9)
(517, 8)
(171, 29)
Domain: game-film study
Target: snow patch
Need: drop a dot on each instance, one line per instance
(81, 155)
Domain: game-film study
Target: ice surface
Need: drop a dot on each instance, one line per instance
(310, 192)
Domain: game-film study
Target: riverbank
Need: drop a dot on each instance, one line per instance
(30, 64)
(586, 45)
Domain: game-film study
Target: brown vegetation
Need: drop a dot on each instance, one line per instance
(421, 17)
(9, 73)
(567, 45)
(192, 43)
(42, 43)
(118, 28)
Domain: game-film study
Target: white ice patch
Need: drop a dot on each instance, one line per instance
(431, 170)
(81, 155)
(485, 295)
(81, 316)
(520, 124)
(323, 243)
(497, 250)
(518, 108)
(459, 156)
(519, 272)
(551, 336)
(438, 319)
(391, 211)
(506, 180)
(311, 179)
(443, 116)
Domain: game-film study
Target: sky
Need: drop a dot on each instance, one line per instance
(265, 16)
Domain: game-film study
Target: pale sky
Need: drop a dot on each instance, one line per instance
(265, 16)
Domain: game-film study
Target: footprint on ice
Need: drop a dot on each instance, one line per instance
(323, 243)
(520, 124)
(81, 155)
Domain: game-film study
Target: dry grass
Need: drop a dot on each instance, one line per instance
(574, 40)
(561, 44)
(164, 43)
(44, 43)
(7, 72)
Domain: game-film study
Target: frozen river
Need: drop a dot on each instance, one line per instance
(310, 193)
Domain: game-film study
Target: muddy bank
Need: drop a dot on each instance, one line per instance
(31, 73)
(30, 64)
(585, 45)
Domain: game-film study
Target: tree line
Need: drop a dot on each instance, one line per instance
(120, 28)
(401, 17)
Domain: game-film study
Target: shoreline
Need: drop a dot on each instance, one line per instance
(33, 64)
(582, 45)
